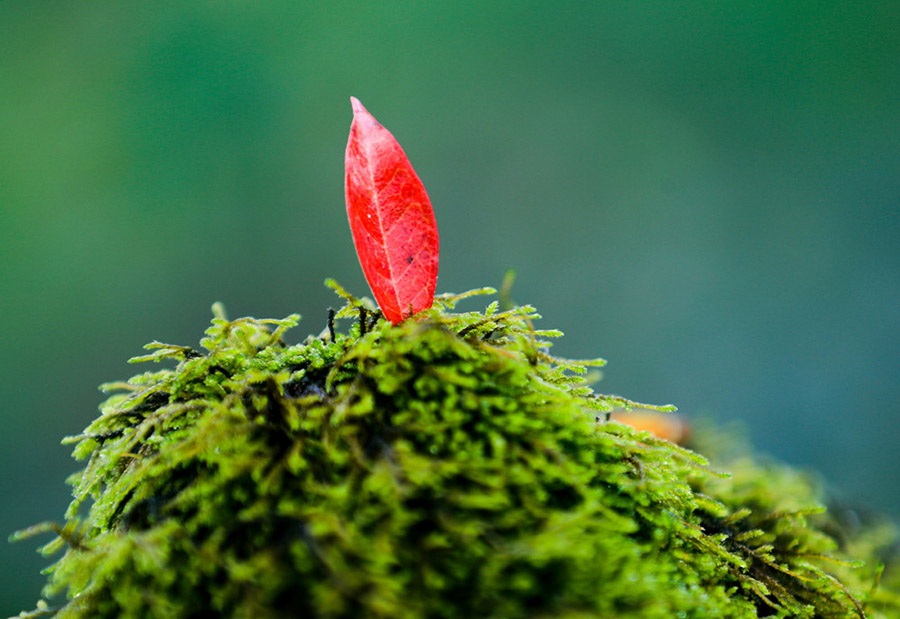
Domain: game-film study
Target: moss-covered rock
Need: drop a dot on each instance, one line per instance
(445, 467)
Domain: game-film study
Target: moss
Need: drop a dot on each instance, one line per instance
(445, 467)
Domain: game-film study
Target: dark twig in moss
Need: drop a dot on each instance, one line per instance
(331, 335)
(363, 325)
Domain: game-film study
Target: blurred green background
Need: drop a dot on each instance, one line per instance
(707, 194)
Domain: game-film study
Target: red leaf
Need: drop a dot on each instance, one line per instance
(391, 219)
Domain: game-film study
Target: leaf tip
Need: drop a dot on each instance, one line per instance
(357, 106)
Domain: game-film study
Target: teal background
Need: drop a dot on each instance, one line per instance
(707, 194)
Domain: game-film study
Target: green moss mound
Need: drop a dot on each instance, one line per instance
(448, 466)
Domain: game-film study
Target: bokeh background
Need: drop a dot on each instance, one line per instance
(707, 194)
